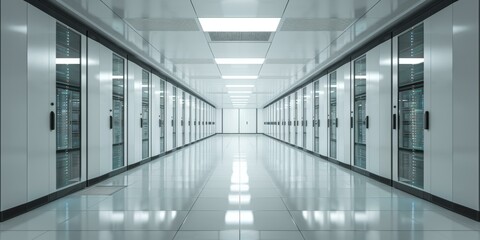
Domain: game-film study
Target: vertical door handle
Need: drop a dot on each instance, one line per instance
(328, 123)
(52, 120)
(160, 122)
(367, 122)
(111, 122)
(306, 123)
(336, 122)
(394, 121)
(141, 122)
(351, 122)
(172, 122)
(426, 122)
(247, 122)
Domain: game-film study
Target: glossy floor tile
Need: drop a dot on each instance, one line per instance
(241, 187)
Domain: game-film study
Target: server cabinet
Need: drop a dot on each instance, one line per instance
(309, 119)
(55, 111)
(180, 117)
(188, 118)
(195, 119)
(316, 117)
(411, 111)
(170, 124)
(332, 117)
(201, 115)
(162, 116)
(291, 118)
(106, 105)
(145, 116)
(343, 113)
(359, 112)
(300, 118)
(156, 124)
(324, 115)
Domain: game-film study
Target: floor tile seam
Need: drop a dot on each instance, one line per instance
(38, 237)
(293, 220)
(196, 199)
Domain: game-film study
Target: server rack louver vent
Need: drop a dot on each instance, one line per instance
(240, 36)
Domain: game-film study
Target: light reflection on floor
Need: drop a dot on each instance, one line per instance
(241, 187)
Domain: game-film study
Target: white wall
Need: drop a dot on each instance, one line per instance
(219, 122)
(230, 121)
(248, 121)
(260, 121)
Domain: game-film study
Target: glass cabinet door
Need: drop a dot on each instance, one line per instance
(174, 117)
(289, 118)
(411, 107)
(145, 114)
(359, 111)
(183, 118)
(316, 121)
(68, 106)
(190, 119)
(118, 112)
(304, 117)
(162, 116)
(295, 118)
(333, 115)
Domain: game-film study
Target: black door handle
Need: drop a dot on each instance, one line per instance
(351, 122)
(367, 122)
(328, 123)
(111, 122)
(394, 121)
(306, 123)
(160, 122)
(52, 120)
(141, 122)
(172, 122)
(426, 122)
(336, 122)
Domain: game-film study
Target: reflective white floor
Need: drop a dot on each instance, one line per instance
(241, 187)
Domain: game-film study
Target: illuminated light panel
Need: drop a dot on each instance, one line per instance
(67, 60)
(246, 96)
(239, 86)
(240, 77)
(240, 92)
(360, 77)
(410, 61)
(239, 60)
(239, 24)
(117, 77)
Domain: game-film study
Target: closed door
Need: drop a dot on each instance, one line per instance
(248, 119)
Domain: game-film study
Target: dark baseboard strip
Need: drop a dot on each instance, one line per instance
(26, 207)
(454, 207)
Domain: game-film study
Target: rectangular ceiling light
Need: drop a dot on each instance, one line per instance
(239, 24)
(239, 60)
(239, 92)
(239, 77)
(410, 61)
(239, 86)
(246, 96)
(67, 60)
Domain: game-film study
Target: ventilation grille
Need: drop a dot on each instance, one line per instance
(240, 36)
(163, 24)
(315, 24)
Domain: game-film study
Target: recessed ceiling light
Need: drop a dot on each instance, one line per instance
(360, 77)
(411, 61)
(239, 86)
(246, 96)
(240, 77)
(67, 60)
(239, 24)
(239, 60)
(236, 92)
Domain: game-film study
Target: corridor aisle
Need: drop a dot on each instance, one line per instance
(240, 187)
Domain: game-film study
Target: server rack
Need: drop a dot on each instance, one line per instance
(411, 107)
(67, 120)
(162, 116)
(144, 122)
(117, 117)
(359, 111)
(333, 115)
(316, 113)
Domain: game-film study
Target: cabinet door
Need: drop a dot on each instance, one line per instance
(248, 119)
(155, 115)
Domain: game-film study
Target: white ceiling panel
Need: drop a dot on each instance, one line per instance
(303, 45)
(178, 45)
(242, 70)
(240, 8)
(280, 69)
(198, 70)
(151, 8)
(239, 50)
(328, 8)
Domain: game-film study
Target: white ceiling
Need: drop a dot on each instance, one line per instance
(168, 35)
